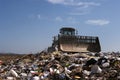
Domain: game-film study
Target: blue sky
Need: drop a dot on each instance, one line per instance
(29, 25)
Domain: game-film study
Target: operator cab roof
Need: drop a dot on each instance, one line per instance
(67, 29)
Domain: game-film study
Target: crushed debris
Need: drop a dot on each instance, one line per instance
(62, 66)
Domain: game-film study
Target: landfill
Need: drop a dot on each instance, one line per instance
(62, 66)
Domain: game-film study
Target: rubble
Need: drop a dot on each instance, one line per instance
(62, 66)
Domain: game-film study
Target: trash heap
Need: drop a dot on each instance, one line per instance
(62, 66)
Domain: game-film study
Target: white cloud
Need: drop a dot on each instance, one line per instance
(56, 1)
(71, 20)
(58, 18)
(39, 16)
(74, 3)
(79, 12)
(87, 4)
(78, 7)
(97, 22)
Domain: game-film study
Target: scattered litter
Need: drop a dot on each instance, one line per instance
(62, 66)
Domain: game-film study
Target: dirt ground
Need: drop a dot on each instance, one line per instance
(8, 56)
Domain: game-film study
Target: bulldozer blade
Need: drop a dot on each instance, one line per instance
(79, 44)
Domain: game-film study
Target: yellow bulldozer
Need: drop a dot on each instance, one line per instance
(70, 42)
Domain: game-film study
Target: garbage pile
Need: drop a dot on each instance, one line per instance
(62, 66)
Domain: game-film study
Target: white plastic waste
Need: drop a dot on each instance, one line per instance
(46, 73)
(33, 72)
(36, 78)
(118, 77)
(118, 58)
(52, 57)
(86, 72)
(96, 69)
(10, 78)
(107, 64)
(23, 74)
(14, 73)
(57, 71)
(67, 71)
(51, 71)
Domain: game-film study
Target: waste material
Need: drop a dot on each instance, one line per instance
(62, 66)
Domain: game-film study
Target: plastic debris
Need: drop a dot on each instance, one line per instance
(107, 64)
(86, 72)
(14, 73)
(10, 78)
(62, 66)
(96, 69)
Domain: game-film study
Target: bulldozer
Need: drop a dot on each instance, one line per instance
(69, 41)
